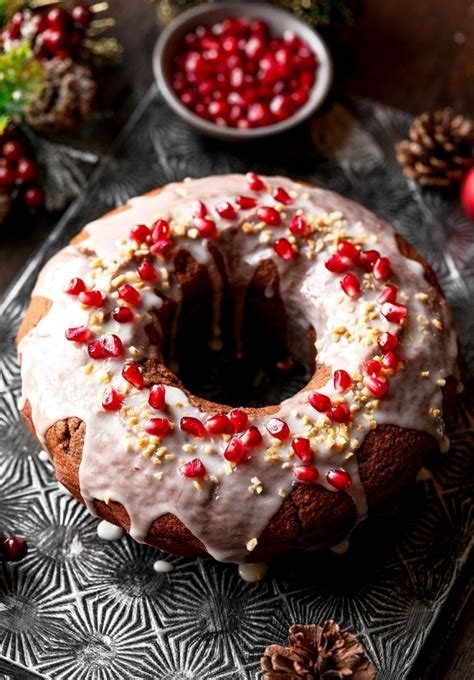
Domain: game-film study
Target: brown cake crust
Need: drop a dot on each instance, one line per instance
(310, 517)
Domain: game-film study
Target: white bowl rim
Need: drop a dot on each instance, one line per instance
(253, 9)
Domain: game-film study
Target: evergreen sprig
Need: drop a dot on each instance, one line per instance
(21, 79)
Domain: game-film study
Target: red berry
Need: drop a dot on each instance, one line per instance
(269, 216)
(278, 428)
(235, 451)
(123, 314)
(219, 424)
(246, 202)
(226, 210)
(206, 227)
(342, 381)
(467, 194)
(14, 548)
(376, 386)
(348, 250)
(284, 249)
(388, 293)
(302, 448)
(192, 426)
(337, 264)
(239, 419)
(368, 258)
(132, 374)
(157, 397)
(92, 298)
(350, 285)
(162, 247)
(194, 469)
(112, 345)
(53, 40)
(130, 295)
(112, 400)
(160, 229)
(339, 479)
(34, 197)
(255, 183)
(306, 474)
(78, 334)
(75, 286)
(147, 272)
(81, 15)
(57, 17)
(7, 176)
(282, 196)
(12, 151)
(251, 437)
(381, 269)
(394, 312)
(159, 427)
(340, 413)
(198, 209)
(387, 341)
(372, 367)
(319, 401)
(299, 225)
(139, 233)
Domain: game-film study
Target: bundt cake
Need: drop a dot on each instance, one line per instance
(347, 297)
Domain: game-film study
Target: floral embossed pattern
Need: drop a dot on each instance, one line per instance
(78, 607)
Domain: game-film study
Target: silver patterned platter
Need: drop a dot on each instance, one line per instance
(78, 607)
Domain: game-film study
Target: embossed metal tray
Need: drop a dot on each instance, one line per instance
(78, 607)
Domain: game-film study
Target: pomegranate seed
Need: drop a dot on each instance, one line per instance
(381, 269)
(246, 202)
(239, 419)
(160, 229)
(162, 247)
(371, 367)
(130, 295)
(278, 428)
(139, 233)
(75, 286)
(282, 196)
(350, 285)
(368, 258)
(133, 375)
(226, 210)
(219, 424)
(123, 314)
(235, 451)
(112, 400)
(194, 469)
(159, 427)
(206, 227)
(255, 183)
(306, 474)
(348, 250)
(251, 437)
(269, 216)
(337, 264)
(340, 413)
(34, 197)
(198, 209)
(14, 548)
(339, 479)
(78, 334)
(391, 360)
(342, 381)
(299, 225)
(387, 341)
(92, 298)
(193, 426)
(319, 401)
(12, 151)
(302, 448)
(147, 272)
(27, 170)
(375, 386)
(112, 345)
(284, 249)
(96, 350)
(394, 312)
(388, 294)
(156, 398)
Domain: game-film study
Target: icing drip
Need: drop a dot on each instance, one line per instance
(229, 506)
(163, 567)
(109, 532)
(252, 573)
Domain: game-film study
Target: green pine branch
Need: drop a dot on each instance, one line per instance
(21, 79)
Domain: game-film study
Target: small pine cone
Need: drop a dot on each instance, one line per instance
(440, 149)
(67, 97)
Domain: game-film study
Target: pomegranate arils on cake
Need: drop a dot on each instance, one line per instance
(368, 258)
(299, 225)
(123, 314)
(381, 269)
(206, 227)
(147, 272)
(269, 215)
(348, 250)
(337, 264)
(130, 295)
(96, 350)
(112, 400)
(350, 285)
(75, 286)
(162, 247)
(239, 419)
(226, 210)
(387, 341)
(159, 427)
(342, 381)
(391, 360)
(246, 202)
(112, 345)
(284, 249)
(371, 367)
(319, 401)
(235, 451)
(340, 413)
(394, 312)
(198, 209)
(157, 396)
(192, 426)
(302, 447)
(376, 386)
(251, 437)
(306, 474)
(255, 182)
(339, 479)
(195, 469)
(278, 428)
(160, 229)
(78, 334)
(219, 424)
(132, 374)
(282, 196)
(92, 298)
(388, 293)
(139, 233)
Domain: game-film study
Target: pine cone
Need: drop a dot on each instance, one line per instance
(67, 97)
(440, 149)
(317, 653)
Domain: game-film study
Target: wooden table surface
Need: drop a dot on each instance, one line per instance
(416, 55)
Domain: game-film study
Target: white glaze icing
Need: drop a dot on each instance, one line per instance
(108, 531)
(163, 567)
(224, 512)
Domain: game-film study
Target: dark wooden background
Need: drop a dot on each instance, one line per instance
(416, 55)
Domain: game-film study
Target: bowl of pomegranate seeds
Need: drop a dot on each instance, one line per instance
(237, 71)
